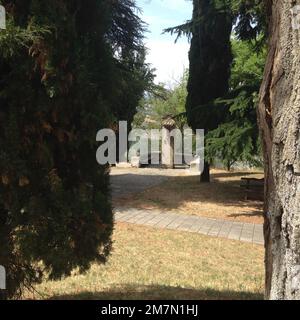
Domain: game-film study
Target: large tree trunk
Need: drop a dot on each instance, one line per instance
(279, 119)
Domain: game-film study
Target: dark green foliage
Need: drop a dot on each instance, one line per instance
(210, 58)
(58, 65)
(134, 76)
(237, 138)
(250, 19)
(227, 115)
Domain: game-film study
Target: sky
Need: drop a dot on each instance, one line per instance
(169, 59)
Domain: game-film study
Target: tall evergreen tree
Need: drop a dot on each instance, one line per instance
(213, 111)
(210, 59)
(58, 64)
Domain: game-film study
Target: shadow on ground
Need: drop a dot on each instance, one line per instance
(234, 174)
(156, 292)
(130, 183)
(257, 213)
(224, 191)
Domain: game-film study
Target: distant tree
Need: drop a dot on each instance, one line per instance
(134, 76)
(163, 101)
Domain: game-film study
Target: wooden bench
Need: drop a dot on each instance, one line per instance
(254, 188)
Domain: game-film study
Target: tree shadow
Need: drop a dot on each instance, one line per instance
(252, 214)
(235, 174)
(158, 292)
(172, 192)
(130, 183)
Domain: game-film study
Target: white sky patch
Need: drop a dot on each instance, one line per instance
(174, 4)
(169, 59)
(159, 23)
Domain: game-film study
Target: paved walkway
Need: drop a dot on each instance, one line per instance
(246, 232)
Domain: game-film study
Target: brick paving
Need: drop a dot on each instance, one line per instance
(124, 182)
(245, 232)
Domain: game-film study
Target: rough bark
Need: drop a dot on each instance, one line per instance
(279, 120)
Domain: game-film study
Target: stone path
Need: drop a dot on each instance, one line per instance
(246, 232)
(124, 182)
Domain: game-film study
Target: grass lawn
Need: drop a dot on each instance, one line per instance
(149, 263)
(223, 198)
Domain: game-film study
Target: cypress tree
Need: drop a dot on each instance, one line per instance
(58, 66)
(208, 104)
(210, 59)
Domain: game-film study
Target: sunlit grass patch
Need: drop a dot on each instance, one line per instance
(161, 264)
(223, 198)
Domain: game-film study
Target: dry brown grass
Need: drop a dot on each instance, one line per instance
(223, 198)
(160, 264)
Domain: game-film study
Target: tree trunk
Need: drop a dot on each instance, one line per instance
(279, 120)
(205, 176)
